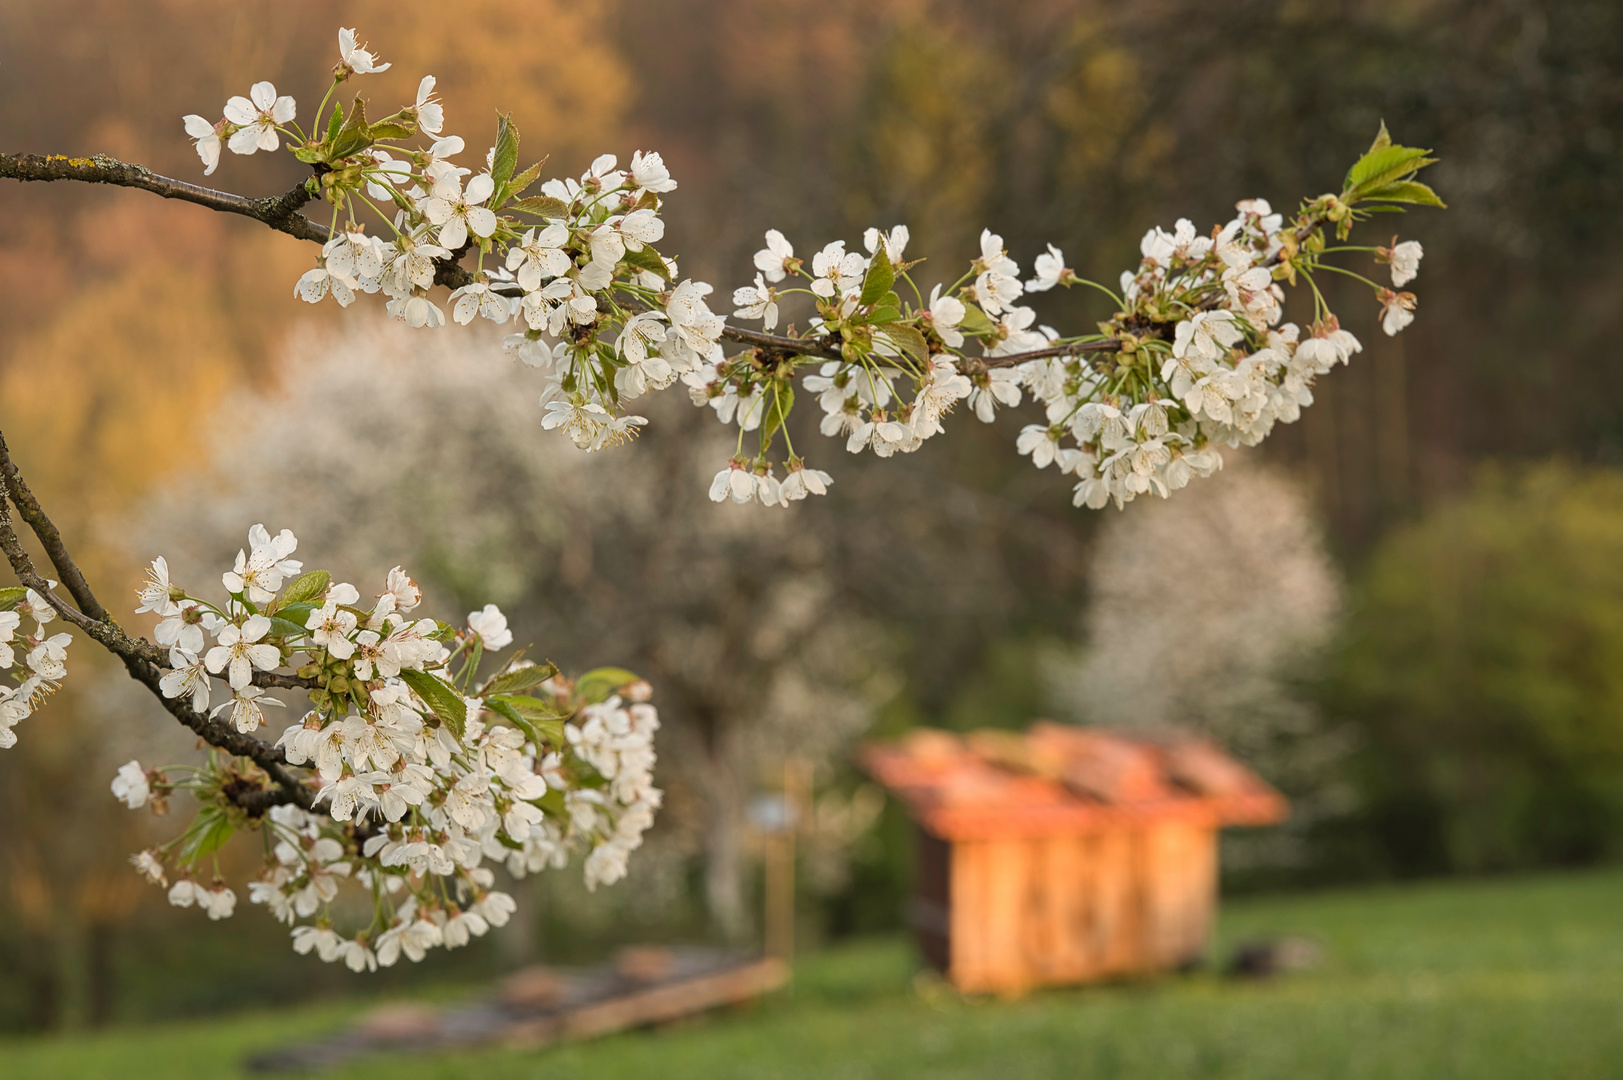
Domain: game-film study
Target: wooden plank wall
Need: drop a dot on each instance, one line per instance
(1070, 909)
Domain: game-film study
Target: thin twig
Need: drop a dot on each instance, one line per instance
(49, 537)
(135, 655)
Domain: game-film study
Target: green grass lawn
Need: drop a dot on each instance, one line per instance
(1515, 978)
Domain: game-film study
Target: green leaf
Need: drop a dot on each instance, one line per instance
(296, 613)
(207, 833)
(599, 683)
(1407, 191)
(506, 710)
(910, 341)
(352, 138)
(335, 123)
(308, 586)
(512, 680)
(311, 154)
(1382, 166)
(525, 178)
(1382, 139)
(778, 407)
(441, 698)
(647, 259)
(975, 323)
(11, 596)
(538, 719)
(388, 129)
(881, 315)
(506, 156)
(881, 275)
(285, 628)
(541, 206)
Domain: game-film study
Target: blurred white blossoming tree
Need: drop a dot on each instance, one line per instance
(1223, 645)
(421, 759)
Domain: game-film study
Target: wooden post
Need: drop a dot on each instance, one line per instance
(780, 862)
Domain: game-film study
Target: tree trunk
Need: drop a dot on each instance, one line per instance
(101, 989)
(724, 877)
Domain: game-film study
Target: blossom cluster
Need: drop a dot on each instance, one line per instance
(573, 269)
(1196, 356)
(36, 661)
(422, 774)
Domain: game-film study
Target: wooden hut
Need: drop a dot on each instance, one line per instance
(1065, 854)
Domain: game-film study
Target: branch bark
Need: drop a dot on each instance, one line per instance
(280, 212)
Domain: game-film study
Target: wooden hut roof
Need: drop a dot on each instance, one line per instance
(1061, 779)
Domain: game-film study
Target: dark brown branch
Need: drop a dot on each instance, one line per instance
(797, 346)
(135, 655)
(1107, 345)
(280, 212)
(49, 536)
(282, 682)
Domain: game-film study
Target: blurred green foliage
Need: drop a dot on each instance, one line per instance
(1483, 663)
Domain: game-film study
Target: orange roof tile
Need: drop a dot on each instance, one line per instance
(1057, 779)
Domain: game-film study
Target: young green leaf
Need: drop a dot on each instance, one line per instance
(207, 833)
(538, 719)
(307, 586)
(335, 123)
(505, 159)
(352, 138)
(388, 129)
(910, 341)
(1379, 167)
(597, 684)
(647, 259)
(544, 206)
(441, 698)
(975, 323)
(779, 403)
(1382, 139)
(881, 275)
(525, 178)
(1407, 191)
(513, 680)
(505, 709)
(11, 596)
(285, 628)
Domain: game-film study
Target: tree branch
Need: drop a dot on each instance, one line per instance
(280, 212)
(49, 536)
(137, 655)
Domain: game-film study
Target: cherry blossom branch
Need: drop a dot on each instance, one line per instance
(144, 660)
(279, 212)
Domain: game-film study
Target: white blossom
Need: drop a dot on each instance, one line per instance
(130, 785)
(775, 259)
(356, 57)
(257, 116)
(207, 136)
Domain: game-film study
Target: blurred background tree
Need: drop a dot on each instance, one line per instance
(129, 330)
(1210, 613)
(1483, 660)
